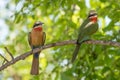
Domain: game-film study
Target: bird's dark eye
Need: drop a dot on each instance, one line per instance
(36, 25)
(92, 15)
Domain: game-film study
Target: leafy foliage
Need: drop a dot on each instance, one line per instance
(62, 19)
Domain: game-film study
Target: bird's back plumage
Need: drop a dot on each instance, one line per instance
(87, 28)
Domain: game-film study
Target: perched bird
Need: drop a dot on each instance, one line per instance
(36, 39)
(88, 27)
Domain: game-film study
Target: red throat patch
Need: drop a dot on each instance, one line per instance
(93, 19)
(38, 28)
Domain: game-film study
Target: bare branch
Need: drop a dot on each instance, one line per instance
(68, 42)
(3, 62)
(9, 52)
(4, 57)
(106, 43)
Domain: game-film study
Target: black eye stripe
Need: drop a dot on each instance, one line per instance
(36, 25)
(92, 15)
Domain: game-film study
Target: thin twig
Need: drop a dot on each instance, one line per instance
(68, 42)
(9, 53)
(3, 62)
(4, 57)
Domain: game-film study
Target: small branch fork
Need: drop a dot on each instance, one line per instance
(68, 42)
(5, 59)
(9, 52)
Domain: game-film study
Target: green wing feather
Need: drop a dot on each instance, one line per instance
(87, 31)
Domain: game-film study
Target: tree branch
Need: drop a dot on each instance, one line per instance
(68, 42)
(4, 58)
(9, 52)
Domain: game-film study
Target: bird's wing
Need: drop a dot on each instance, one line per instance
(87, 30)
(29, 39)
(91, 28)
(44, 37)
(83, 25)
(81, 30)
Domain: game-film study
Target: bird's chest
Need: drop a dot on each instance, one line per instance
(36, 37)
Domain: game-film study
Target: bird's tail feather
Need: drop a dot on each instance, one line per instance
(75, 52)
(35, 64)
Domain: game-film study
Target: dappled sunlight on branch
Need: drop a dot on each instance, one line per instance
(62, 43)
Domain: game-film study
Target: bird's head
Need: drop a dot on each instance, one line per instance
(38, 25)
(92, 16)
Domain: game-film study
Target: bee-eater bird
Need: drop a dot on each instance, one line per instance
(36, 39)
(88, 27)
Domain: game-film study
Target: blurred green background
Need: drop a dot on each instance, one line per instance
(62, 19)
